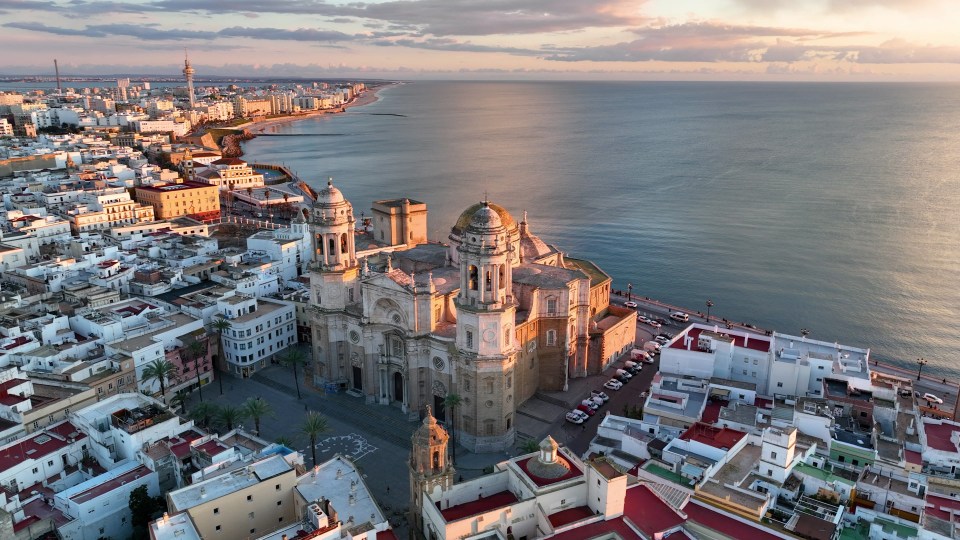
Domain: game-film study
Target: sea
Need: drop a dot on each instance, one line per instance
(828, 207)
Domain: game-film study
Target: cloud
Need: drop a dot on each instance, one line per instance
(447, 44)
(717, 42)
(151, 33)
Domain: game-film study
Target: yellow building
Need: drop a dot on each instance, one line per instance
(243, 503)
(175, 200)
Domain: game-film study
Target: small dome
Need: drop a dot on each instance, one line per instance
(485, 218)
(464, 220)
(329, 195)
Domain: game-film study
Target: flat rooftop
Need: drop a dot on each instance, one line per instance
(39, 445)
(109, 483)
(723, 438)
(939, 436)
(333, 480)
(688, 340)
(208, 490)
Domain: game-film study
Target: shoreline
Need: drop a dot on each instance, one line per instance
(369, 96)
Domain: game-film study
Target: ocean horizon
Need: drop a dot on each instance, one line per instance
(825, 206)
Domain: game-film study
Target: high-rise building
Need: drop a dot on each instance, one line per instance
(188, 72)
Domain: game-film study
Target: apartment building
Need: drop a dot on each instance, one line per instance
(260, 328)
(175, 200)
(106, 209)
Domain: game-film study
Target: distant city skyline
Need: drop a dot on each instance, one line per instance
(842, 40)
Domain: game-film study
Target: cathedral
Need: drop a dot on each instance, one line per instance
(492, 317)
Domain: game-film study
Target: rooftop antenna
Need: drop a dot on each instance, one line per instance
(56, 69)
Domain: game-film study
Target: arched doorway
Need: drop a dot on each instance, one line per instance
(397, 386)
(357, 378)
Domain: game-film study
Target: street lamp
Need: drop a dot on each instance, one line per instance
(710, 304)
(629, 291)
(920, 362)
(804, 332)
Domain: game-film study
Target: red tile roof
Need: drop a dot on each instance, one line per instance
(938, 436)
(711, 413)
(51, 440)
(725, 524)
(913, 457)
(649, 512)
(617, 526)
(387, 535)
(6, 385)
(722, 438)
(479, 506)
(755, 342)
(565, 517)
(229, 161)
(942, 507)
(110, 485)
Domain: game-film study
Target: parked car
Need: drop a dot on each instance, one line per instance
(576, 417)
(587, 409)
(660, 320)
(590, 403)
(653, 323)
(651, 347)
(624, 373)
(666, 335)
(661, 340)
(600, 394)
(622, 379)
(613, 384)
(680, 316)
(932, 398)
(631, 304)
(643, 318)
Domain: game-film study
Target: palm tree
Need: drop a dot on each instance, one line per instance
(314, 426)
(197, 350)
(160, 370)
(221, 325)
(180, 400)
(529, 446)
(451, 402)
(204, 412)
(228, 415)
(285, 441)
(294, 358)
(257, 408)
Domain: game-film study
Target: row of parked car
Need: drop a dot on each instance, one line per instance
(589, 406)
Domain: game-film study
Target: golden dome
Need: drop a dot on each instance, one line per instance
(464, 220)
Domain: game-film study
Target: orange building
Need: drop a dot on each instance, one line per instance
(184, 199)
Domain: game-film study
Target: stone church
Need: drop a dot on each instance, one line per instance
(493, 316)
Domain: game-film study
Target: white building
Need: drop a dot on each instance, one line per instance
(259, 329)
(100, 505)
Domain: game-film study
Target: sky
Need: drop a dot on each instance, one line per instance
(837, 40)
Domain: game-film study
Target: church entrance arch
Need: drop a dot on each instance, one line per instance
(439, 401)
(397, 386)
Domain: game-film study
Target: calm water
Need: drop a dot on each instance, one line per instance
(829, 207)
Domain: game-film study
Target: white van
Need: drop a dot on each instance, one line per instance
(680, 316)
(651, 346)
(639, 355)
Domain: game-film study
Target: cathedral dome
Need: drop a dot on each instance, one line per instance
(465, 218)
(549, 465)
(531, 246)
(329, 195)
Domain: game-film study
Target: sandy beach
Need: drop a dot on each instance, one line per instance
(369, 96)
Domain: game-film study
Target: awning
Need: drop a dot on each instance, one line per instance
(720, 392)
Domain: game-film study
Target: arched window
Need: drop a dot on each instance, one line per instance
(503, 277)
(489, 282)
(436, 459)
(473, 277)
(332, 246)
(320, 244)
(343, 243)
(573, 331)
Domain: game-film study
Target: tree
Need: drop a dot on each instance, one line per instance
(257, 408)
(285, 441)
(220, 325)
(180, 400)
(529, 445)
(294, 358)
(452, 401)
(143, 508)
(204, 412)
(197, 350)
(228, 415)
(160, 370)
(313, 427)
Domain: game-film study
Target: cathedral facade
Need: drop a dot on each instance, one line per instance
(492, 317)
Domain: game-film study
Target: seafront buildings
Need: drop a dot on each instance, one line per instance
(120, 251)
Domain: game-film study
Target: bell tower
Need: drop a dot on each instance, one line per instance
(430, 472)
(486, 346)
(334, 278)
